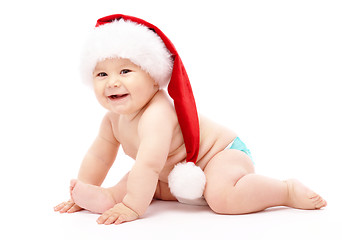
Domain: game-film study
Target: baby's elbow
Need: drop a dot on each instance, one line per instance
(153, 167)
(151, 160)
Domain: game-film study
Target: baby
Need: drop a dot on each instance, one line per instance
(128, 76)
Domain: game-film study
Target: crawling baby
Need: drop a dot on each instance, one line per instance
(129, 63)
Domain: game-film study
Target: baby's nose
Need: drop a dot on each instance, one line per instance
(113, 83)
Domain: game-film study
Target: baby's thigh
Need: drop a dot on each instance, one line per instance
(224, 170)
(163, 192)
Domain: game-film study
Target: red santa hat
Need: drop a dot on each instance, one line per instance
(121, 36)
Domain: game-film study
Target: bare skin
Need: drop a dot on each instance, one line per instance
(142, 119)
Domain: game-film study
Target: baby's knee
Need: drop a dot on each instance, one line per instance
(215, 202)
(224, 205)
(225, 199)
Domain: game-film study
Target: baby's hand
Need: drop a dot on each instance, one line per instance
(69, 207)
(117, 215)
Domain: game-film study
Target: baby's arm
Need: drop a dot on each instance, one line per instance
(143, 178)
(155, 133)
(96, 162)
(100, 156)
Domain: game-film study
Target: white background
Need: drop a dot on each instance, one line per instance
(270, 70)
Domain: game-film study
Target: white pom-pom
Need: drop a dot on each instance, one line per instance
(187, 182)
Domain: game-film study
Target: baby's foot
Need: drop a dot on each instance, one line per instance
(93, 198)
(302, 197)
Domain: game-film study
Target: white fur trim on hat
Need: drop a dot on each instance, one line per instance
(126, 39)
(187, 182)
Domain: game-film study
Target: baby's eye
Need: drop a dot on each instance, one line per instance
(125, 71)
(102, 74)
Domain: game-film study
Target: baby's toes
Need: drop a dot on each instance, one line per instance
(319, 203)
(73, 183)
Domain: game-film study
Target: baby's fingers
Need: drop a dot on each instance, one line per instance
(111, 219)
(64, 207)
(59, 207)
(107, 217)
(122, 219)
(74, 208)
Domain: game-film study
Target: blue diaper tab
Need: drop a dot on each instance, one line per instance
(240, 145)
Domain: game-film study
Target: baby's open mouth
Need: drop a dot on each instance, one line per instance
(117, 96)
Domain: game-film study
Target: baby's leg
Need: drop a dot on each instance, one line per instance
(97, 199)
(233, 188)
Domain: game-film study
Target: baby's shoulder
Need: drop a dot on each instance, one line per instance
(161, 103)
(160, 108)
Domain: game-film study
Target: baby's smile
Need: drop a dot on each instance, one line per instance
(118, 96)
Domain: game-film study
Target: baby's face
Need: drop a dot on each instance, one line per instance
(121, 86)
